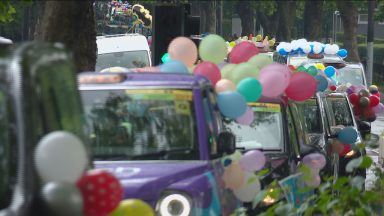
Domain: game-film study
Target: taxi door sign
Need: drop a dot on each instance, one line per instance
(265, 107)
(293, 187)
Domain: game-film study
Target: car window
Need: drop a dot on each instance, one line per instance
(129, 59)
(353, 76)
(266, 132)
(8, 151)
(141, 124)
(211, 123)
(311, 117)
(293, 139)
(338, 112)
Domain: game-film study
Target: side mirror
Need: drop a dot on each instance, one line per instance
(226, 142)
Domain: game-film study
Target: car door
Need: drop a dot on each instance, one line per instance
(293, 144)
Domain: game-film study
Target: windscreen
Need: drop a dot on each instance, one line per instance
(141, 124)
(129, 59)
(265, 132)
(353, 76)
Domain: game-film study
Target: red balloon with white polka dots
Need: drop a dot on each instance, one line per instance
(101, 192)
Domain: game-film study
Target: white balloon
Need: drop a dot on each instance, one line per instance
(248, 191)
(317, 47)
(295, 45)
(306, 48)
(328, 49)
(288, 47)
(335, 49)
(60, 156)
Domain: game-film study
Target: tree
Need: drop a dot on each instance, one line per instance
(313, 14)
(287, 13)
(246, 13)
(266, 14)
(349, 15)
(73, 24)
(208, 16)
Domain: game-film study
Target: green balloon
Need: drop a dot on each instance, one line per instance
(301, 69)
(213, 48)
(226, 71)
(63, 198)
(312, 70)
(250, 88)
(244, 70)
(261, 60)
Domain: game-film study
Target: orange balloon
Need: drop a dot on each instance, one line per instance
(224, 85)
(233, 176)
(184, 50)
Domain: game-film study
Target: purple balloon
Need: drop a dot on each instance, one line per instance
(378, 109)
(252, 161)
(314, 161)
(247, 118)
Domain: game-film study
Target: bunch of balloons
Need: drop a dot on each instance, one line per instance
(239, 174)
(313, 47)
(61, 161)
(366, 102)
(262, 43)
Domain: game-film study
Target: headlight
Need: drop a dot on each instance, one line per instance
(174, 205)
(268, 200)
(350, 154)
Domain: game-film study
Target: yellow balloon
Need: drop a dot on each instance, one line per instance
(320, 66)
(259, 37)
(232, 44)
(271, 42)
(133, 207)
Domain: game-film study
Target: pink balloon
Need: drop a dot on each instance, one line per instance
(315, 161)
(233, 176)
(224, 85)
(274, 83)
(184, 50)
(253, 161)
(302, 86)
(247, 118)
(378, 109)
(314, 180)
(208, 70)
(242, 52)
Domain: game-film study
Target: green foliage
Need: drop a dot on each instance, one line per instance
(7, 10)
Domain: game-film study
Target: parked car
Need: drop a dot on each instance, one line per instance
(328, 60)
(38, 95)
(122, 50)
(352, 73)
(162, 136)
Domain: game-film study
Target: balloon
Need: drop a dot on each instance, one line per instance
(292, 68)
(312, 70)
(62, 198)
(373, 89)
(224, 85)
(183, 49)
(247, 118)
(364, 101)
(233, 176)
(332, 88)
(354, 98)
(377, 94)
(369, 114)
(270, 76)
(329, 71)
(165, 58)
(132, 207)
(174, 66)
(260, 60)
(250, 88)
(348, 135)
(244, 70)
(374, 100)
(249, 190)
(315, 161)
(364, 93)
(60, 156)
(226, 71)
(208, 70)
(378, 109)
(314, 180)
(334, 49)
(342, 53)
(322, 83)
(301, 87)
(301, 68)
(232, 44)
(252, 161)
(317, 48)
(283, 52)
(231, 104)
(328, 49)
(213, 48)
(356, 110)
(101, 192)
(242, 52)
(306, 48)
(320, 66)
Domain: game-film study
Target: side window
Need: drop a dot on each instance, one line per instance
(293, 139)
(211, 124)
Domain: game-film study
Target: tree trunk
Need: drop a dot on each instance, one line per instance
(210, 19)
(287, 14)
(73, 24)
(313, 17)
(349, 16)
(269, 24)
(246, 13)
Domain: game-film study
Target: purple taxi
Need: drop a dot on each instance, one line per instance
(162, 136)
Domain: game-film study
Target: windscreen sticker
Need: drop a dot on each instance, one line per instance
(182, 107)
(160, 94)
(265, 107)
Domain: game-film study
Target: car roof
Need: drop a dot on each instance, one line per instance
(175, 80)
(4, 40)
(121, 43)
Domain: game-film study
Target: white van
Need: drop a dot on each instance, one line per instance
(123, 50)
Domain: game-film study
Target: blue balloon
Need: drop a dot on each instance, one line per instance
(231, 104)
(283, 52)
(342, 53)
(329, 71)
(348, 135)
(174, 66)
(322, 83)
